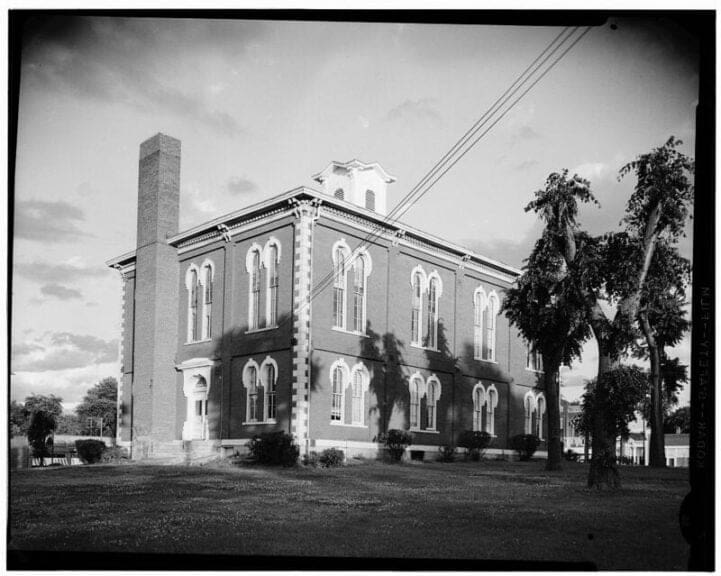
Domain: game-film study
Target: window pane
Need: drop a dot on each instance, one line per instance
(370, 200)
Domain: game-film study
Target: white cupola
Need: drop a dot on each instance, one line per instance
(356, 182)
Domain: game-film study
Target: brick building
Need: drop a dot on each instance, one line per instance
(312, 313)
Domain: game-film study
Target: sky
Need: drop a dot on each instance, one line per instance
(260, 106)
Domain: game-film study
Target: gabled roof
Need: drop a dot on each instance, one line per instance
(676, 439)
(353, 165)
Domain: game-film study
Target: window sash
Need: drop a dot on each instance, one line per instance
(336, 412)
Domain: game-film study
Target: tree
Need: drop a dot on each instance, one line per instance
(663, 322)
(100, 401)
(43, 412)
(40, 403)
(678, 419)
(68, 424)
(614, 267)
(544, 307)
(19, 419)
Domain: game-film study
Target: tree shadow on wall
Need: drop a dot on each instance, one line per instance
(388, 383)
(442, 360)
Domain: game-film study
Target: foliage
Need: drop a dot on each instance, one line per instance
(622, 391)
(475, 443)
(274, 448)
(673, 376)
(19, 419)
(311, 459)
(525, 445)
(115, 454)
(100, 401)
(68, 424)
(41, 425)
(90, 451)
(679, 418)
(571, 456)
(446, 453)
(49, 404)
(396, 441)
(331, 457)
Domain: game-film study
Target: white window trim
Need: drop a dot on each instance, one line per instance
(207, 263)
(266, 387)
(344, 385)
(529, 407)
(265, 262)
(492, 297)
(190, 325)
(347, 263)
(252, 314)
(367, 268)
(478, 407)
(530, 350)
(540, 411)
(439, 292)
(416, 377)
(365, 380)
(246, 384)
(433, 379)
(424, 283)
(479, 305)
(491, 404)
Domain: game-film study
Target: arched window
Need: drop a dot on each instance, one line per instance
(254, 263)
(207, 299)
(416, 310)
(491, 403)
(489, 328)
(339, 285)
(357, 398)
(432, 338)
(534, 359)
(529, 405)
(479, 400)
(269, 378)
(433, 392)
(338, 393)
(359, 281)
(370, 200)
(479, 302)
(250, 379)
(416, 391)
(191, 283)
(541, 410)
(339, 194)
(271, 315)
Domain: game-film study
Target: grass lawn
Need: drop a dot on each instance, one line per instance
(488, 510)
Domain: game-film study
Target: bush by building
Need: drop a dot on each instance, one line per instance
(331, 457)
(525, 445)
(90, 451)
(446, 453)
(396, 441)
(475, 443)
(274, 448)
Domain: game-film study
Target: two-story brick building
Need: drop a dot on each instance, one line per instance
(314, 313)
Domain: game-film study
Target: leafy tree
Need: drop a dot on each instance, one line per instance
(42, 424)
(40, 403)
(615, 267)
(545, 308)
(68, 424)
(19, 419)
(662, 319)
(679, 418)
(100, 401)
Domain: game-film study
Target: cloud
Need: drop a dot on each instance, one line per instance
(48, 221)
(59, 273)
(62, 351)
(592, 171)
(423, 109)
(240, 185)
(60, 292)
(130, 60)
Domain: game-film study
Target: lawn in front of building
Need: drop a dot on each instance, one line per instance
(465, 510)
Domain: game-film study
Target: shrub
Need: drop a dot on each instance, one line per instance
(311, 459)
(274, 448)
(525, 445)
(331, 457)
(396, 441)
(571, 456)
(41, 425)
(90, 451)
(114, 454)
(446, 453)
(475, 443)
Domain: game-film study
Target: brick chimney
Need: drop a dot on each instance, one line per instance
(155, 389)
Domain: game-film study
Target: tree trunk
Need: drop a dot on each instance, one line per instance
(553, 431)
(603, 471)
(657, 450)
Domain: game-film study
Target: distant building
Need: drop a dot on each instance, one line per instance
(677, 450)
(311, 313)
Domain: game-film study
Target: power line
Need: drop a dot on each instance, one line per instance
(408, 200)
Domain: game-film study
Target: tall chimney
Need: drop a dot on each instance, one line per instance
(156, 295)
